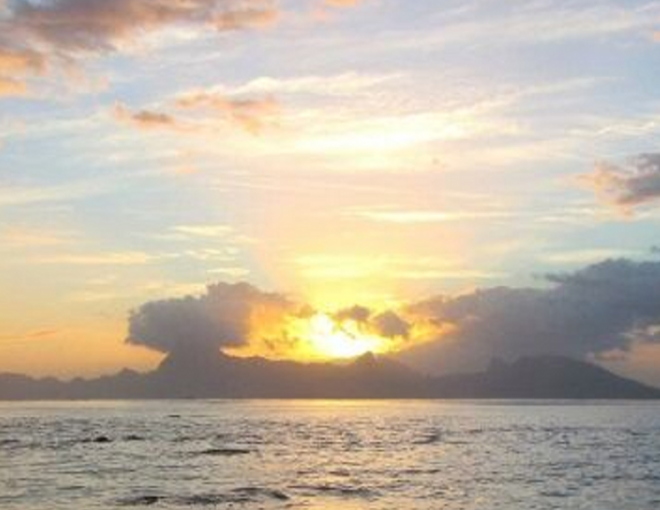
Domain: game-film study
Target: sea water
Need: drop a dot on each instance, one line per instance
(330, 455)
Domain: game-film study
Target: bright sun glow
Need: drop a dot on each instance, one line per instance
(326, 338)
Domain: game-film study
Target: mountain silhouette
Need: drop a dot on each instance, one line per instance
(200, 375)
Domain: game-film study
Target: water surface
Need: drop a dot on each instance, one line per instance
(330, 455)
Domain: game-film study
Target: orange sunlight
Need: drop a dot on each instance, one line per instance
(326, 338)
(320, 336)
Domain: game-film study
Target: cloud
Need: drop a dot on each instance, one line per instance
(20, 237)
(222, 317)
(627, 187)
(145, 119)
(15, 65)
(128, 258)
(11, 196)
(387, 324)
(322, 11)
(204, 231)
(347, 84)
(584, 313)
(587, 256)
(246, 18)
(20, 61)
(230, 271)
(414, 217)
(603, 310)
(34, 335)
(330, 267)
(34, 35)
(342, 4)
(356, 313)
(105, 25)
(10, 87)
(390, 324)
(251, 114)
(242, 320)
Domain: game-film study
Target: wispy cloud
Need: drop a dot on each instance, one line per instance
(207, 107)
(204, 231)
(29, 336)
(342, 84)
(249, 113)
(536, 23)
(329, 267)
(230, 271)
(129, 258)
(412, 217)
(342, 4)
(145, 119)
(30, 237)
(15, 66)
(26, 195)
(247, 17)
(588, 256)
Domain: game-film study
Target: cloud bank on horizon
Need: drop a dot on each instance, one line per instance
(605, 312)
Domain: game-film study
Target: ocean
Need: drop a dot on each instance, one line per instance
(330, 455)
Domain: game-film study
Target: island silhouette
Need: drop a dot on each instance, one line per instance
(199, 374)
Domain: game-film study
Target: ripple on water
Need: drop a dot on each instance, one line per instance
(337, 490)
(224, 452)
(239, 495)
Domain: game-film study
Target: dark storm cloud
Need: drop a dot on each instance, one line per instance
(222, 317)
(628, 186)
(586, 312)
(387, 324)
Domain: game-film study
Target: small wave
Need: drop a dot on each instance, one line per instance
(141, 501)
(240, 495)
(259, 493)
(430, 471)
(432, 438)
(225, 452)
(554, 493)
(184, 439)
(133, 438)
(234, 496)
(97, 440)
(339, 490)
(340, 472)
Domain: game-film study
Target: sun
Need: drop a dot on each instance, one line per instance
(326, 338)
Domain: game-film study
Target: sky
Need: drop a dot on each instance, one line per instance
(407, 157)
